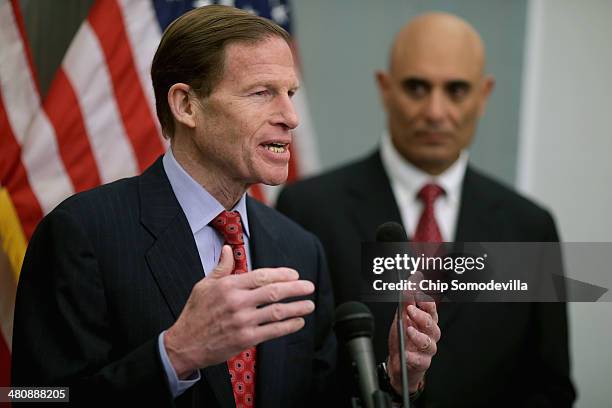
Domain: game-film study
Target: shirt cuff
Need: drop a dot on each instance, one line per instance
(177, 387)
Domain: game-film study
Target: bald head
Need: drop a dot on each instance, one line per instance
(435, 91)
(438, 38)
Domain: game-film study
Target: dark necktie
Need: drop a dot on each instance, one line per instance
(427, 229)
(242, 366)
(428, 233)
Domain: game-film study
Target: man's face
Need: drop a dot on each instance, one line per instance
(244, 126)
(434, 98)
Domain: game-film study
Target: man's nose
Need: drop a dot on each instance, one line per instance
(436, 106)
(287, 113)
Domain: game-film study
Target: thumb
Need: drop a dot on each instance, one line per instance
(226, 263)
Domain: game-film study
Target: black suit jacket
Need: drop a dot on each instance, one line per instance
(109, 269)
(491, 354)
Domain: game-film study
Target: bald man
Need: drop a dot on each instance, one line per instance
(434, 94)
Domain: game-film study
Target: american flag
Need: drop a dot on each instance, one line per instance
(97, 122)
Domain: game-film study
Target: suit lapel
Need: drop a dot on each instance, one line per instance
(173, 259)
(265, 252)
(372, 199)
(372, 203)
(478, 221)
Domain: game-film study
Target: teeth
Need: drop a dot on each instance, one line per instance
(276, 148)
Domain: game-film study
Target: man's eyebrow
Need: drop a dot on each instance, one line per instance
(411, 81)
(458, 82)
(422, 81)
(269, 84)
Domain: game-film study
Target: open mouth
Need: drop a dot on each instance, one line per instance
(277, 147)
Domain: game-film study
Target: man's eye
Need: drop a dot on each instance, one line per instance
(458, 91)
(416, 89)
(263, 92)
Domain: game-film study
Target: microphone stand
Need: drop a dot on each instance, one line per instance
(402, 346)
(381, 399)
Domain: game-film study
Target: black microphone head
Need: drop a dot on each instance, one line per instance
(353, 319)
(391, 232)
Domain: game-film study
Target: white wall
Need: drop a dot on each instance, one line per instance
(565, 154)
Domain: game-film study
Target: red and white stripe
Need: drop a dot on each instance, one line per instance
(19, 102)
(106, 20)
(91, 82)
(144, 35)
(115, 107)
(32, 159)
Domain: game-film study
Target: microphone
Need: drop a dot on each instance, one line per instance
(394, 232)
(391, 232)
(354, 326)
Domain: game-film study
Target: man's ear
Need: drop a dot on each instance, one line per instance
(182, 104)
(488, 85)
(384, 84)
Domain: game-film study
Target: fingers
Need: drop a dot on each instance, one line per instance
(408, 298)
(275, 292)
(276, 320)
(417, 276)
(281, 311)
(411, 295)
(424, 343)
(277, 329)
(424, 321)
(226, 263)
(265, 276)
(431, 308)
(417, 361)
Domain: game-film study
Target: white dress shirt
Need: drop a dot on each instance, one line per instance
(407, 180)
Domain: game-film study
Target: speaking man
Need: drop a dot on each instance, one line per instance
(174, 288)
(434, 93)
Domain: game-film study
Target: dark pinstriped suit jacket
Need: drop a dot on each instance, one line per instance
(489, 355)
(109, 269)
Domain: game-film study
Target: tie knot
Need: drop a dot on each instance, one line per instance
(430, 192)
(229, 224)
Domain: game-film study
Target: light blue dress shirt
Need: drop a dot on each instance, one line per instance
(200, 208)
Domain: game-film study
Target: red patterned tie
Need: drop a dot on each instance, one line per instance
(427, 229)
(242, 366)
(428, 233)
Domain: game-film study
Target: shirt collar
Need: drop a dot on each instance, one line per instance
(411, 179)
(199, 206)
